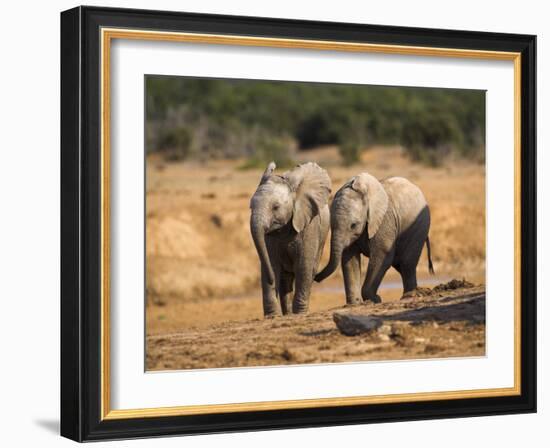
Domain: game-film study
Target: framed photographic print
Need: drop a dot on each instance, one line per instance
(277, 224)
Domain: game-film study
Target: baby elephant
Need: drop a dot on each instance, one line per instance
(386, 221)
(289, 223)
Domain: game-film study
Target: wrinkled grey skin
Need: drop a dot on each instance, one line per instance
(386, 221)
(289, 223)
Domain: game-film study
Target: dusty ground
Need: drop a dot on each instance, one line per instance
(441, 324)
(201, 266)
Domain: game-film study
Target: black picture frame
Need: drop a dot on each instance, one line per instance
(81, 208)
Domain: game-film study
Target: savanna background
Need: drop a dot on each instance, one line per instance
(207, 143)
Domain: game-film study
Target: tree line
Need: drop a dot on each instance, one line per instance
(203, 118)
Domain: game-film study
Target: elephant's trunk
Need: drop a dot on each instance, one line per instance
(336, 249)
(258, 229)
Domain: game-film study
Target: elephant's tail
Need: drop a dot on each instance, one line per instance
(430, 264)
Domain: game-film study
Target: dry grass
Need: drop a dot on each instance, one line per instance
(201, 264)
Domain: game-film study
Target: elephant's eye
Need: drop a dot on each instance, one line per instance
(354, 225)
(276, 207)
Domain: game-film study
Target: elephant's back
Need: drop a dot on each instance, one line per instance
(407, 199)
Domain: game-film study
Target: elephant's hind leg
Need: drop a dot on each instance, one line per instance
(285, 291)
(408, 275)
(407, 267)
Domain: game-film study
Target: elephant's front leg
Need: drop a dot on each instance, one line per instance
(269, 296)
(351, 268)
(305, 268)
(379, 262)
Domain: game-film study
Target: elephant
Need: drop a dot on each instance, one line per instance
(289, 223)
(387, 221)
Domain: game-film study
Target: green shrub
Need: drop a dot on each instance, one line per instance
(269, 148)
(230, 118)
(350, 152)
(429, 135)
(175, 143)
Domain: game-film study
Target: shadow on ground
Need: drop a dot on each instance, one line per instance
(470, 309)
(49, 425)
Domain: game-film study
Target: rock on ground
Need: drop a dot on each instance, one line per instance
(352, 325)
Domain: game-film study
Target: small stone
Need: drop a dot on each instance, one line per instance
(432, 348)
(288, 355)
(353, 325)
(384, 337)
(453, 284)
(385, 330)
(420, 340)
(415, 293)
(352, 305)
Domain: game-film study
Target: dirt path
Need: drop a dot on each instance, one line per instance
(444, 323)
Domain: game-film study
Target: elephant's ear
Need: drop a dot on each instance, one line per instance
(376, 198)
(311, 185)
(268, 172)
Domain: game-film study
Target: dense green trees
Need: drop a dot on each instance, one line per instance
(261, 120)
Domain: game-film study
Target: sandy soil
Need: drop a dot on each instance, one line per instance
(441, 324)
(201, 267)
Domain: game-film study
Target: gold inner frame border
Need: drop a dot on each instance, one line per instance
(107, 35)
